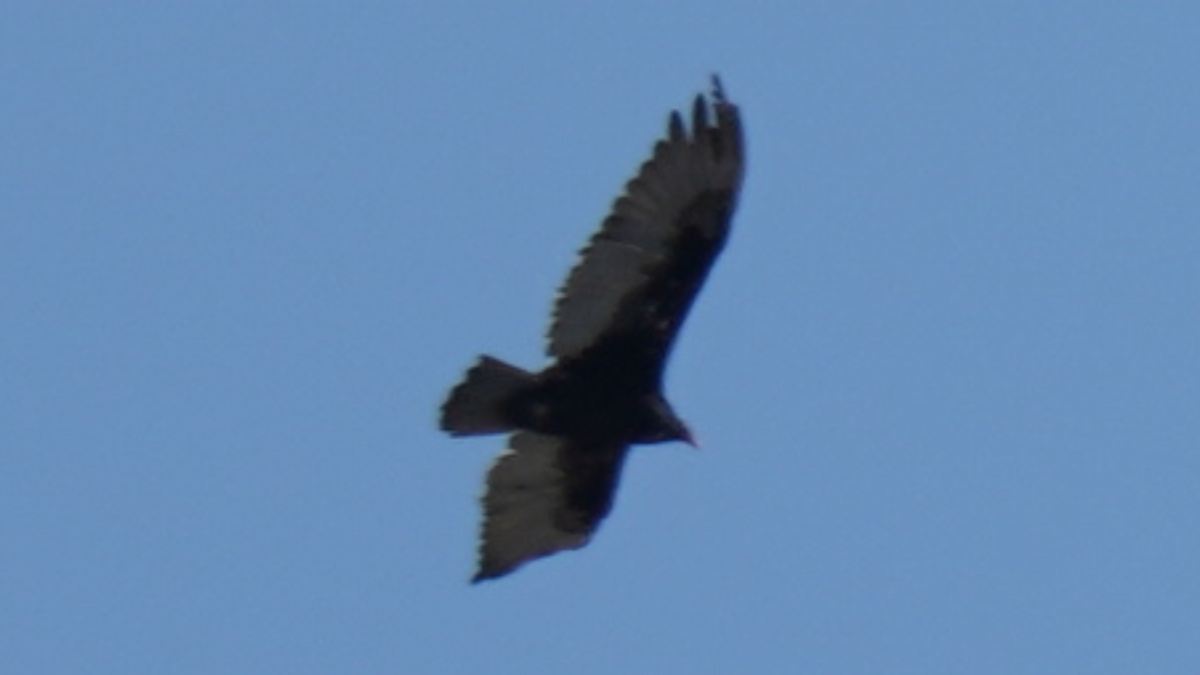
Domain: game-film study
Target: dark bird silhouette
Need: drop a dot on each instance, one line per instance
(615, 320)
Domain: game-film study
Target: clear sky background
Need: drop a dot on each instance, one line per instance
(946, 376)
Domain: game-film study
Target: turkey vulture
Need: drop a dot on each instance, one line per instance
(614, 322)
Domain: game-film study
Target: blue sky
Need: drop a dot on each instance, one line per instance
(946, 375)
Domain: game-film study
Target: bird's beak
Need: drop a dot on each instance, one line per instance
(690, 439)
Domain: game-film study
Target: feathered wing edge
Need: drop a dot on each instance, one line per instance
(544, 495)
(644, 225)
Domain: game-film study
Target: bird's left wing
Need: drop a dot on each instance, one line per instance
(545, 494)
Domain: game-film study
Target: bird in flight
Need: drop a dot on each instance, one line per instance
(615, 320)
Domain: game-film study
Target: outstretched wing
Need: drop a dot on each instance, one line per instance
(544, 495)
(639, 274)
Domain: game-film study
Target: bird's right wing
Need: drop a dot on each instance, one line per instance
(640, 273)
(544, 495)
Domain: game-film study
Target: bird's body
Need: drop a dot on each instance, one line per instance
(615, 321)
(595, 395)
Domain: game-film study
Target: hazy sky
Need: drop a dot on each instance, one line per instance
(946, 376)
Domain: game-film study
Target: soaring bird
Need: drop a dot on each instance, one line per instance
(615, 320)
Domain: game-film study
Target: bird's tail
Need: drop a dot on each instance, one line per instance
(477, 405)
